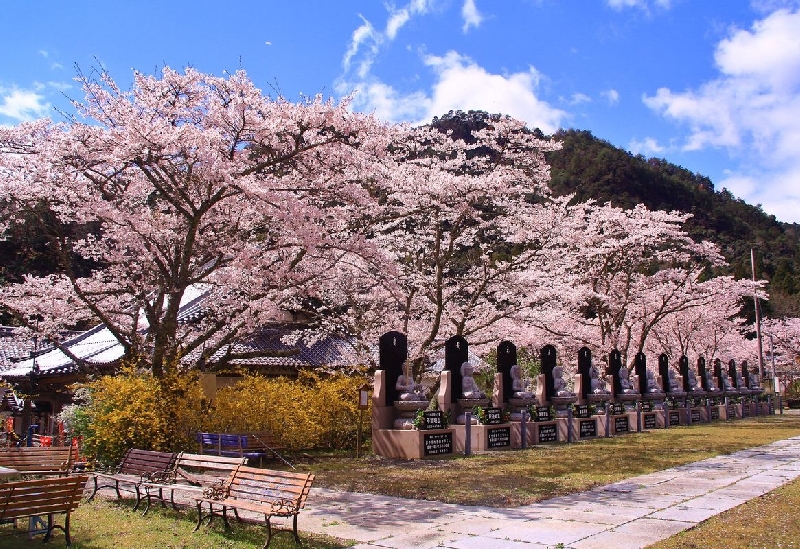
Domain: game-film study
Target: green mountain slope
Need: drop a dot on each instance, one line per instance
(594, 169)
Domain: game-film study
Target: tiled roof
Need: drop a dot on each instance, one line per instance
(321, 351)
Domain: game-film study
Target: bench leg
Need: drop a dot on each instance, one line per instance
(294, 531)
(96, 488)
(269, 533)
(199, 515)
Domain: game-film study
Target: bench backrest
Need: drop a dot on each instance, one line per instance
(141, 462)
(217, 466)
(38, 459)
(40, 497)
(221, 441)
(266, 486)
(261, 440)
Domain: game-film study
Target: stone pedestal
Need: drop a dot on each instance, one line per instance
(589, 427)
(519, 405)
(561, 404)
(413, 444)
(628, 400)
(539, 432)
(483, 437)
(622, 424)
(406, 411)
(466, 405)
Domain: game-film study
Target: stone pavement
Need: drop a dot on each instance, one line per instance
(635, 512)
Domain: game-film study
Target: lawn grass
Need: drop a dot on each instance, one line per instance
(521, 477)
(501, 479)
(764, 522)
(104, 524)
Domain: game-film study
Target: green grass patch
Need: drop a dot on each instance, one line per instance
(520, 477)
(104, 524)
(766, 521)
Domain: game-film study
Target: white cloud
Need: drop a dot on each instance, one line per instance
(612, 96)
(578, 98)
(22, 105)
(751, 108)
(472, 17)
(768, 6)
(462, 84)
(458, 82)
(647, 147)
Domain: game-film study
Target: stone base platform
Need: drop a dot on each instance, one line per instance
(413, 444)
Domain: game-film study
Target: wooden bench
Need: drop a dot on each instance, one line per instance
(48, 496)
(135, 468)
(261, 491)
(192, 473)
(39, 460)
(256, 445)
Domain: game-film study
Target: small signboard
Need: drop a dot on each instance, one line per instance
(499, 437)
(731, 411)
(581, 410)
(434, 419)
(674, 418)
(647, 406)
(542, 414)
(437, 443)
(695, 416)
(715, 412)
(588, 429)
(745, 409)
(548, 433)
(494, 416)
(649, 421)
(617, 409)
(621, 424)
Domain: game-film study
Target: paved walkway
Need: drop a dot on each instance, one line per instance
(632, 513)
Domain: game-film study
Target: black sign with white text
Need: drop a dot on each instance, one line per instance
(548, 433)
(434, 419)
(437, 443)
(588, 429)
(494, 416)
(499, 438)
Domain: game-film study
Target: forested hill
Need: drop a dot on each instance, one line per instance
(594, 169)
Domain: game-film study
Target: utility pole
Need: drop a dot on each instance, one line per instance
(758, 321)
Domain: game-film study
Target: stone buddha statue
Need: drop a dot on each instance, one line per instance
(517, 384)
(598, 385)
(407, 388)
(559, 385)
(694, 383)
(624, 382)
(651, 385)
(469, 389)
(672, 380)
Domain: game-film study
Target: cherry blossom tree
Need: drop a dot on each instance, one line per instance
(711, 325)
(631, 270)
(784, 337)
(192, 187)
(472, 230)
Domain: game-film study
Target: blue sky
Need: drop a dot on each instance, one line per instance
(713, 86)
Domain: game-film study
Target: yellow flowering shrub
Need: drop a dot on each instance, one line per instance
(312, 411)
(138, 410)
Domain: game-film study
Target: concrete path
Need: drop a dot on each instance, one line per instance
(632, 513)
